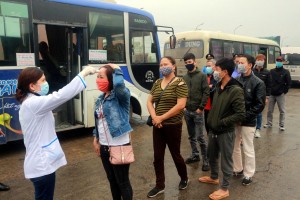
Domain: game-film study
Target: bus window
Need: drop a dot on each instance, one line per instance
(255, 50)
(247, 49)
(277, 52)
(271, 54)
(216, 49)
(228, 50)
(141, 42)
(237, 47)
(14, 31)
(107, 34)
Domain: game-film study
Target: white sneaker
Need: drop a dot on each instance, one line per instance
(257, 133)
(267, 126)
(282, 128)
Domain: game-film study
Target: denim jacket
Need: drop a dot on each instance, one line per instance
(116, 107)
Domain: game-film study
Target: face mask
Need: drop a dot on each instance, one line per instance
(209, 70)
(260, 63)
(242, 69)
(278, 64)
(190, 67)
(217, 76)
(165, 71)
(102, 84)
(44, 89)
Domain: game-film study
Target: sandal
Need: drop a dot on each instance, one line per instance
(217, 196)
(207, 179)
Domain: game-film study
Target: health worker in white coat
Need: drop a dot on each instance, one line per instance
(44, 154)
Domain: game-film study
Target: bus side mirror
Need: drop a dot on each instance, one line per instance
(153, 48)
(172, 41)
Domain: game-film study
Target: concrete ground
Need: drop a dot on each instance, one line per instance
(277, 166)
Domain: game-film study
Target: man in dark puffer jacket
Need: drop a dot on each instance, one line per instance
(255, 97)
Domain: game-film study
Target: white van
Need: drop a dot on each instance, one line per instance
(292, 61)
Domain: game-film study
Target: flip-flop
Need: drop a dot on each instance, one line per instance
(216, 196)
(207, 179)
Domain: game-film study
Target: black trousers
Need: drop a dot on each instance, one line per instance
(118, 177)
(44, 187)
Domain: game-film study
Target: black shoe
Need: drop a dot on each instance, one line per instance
(192, 159)
(154, 192)
(241, 173)
(247, 180)
(183, 184)
(205, 167)
(4, 187)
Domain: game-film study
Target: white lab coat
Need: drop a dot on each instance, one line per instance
(44, 154)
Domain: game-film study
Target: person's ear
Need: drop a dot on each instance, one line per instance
(32, 87)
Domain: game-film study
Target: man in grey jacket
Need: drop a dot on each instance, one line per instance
(196, 101)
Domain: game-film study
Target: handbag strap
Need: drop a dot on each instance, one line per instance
(156, 104)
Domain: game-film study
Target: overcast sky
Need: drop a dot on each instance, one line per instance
(259, 18)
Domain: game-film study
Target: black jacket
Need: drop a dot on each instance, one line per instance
(255, 97)
(198, 90)
(280, 81)
(228, 108)
(264, 75)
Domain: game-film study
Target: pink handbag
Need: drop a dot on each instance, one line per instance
(120, 155)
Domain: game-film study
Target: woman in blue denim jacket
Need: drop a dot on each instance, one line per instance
(112, 127)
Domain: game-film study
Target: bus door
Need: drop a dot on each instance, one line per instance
(264, 50)
(60, 51)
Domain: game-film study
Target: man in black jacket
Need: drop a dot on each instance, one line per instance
(228, 108)
(280, 84)
(255, 97)
(260, 70)
(193, 113)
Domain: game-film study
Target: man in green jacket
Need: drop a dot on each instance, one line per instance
(228, 109)
(196, 101)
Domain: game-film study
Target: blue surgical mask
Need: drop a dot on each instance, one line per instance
(209, 70)
(44, 89)
(278, 64)
(190, 67)
(166, 71)
(242, 69)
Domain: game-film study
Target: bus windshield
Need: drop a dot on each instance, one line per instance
(183, 47)
(292, 59)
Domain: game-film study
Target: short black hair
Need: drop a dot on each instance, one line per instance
(250, 59)
(226, 64)
(189, 56)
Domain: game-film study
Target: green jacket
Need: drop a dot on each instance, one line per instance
(228, 108)
(198, 90)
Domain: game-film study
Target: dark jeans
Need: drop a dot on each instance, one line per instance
(194, 123)
(167, 135)
(44, 187)
(259, 121)
(223, 144)
(205, 120)
(118, 177)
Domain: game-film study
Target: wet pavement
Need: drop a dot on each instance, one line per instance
(277, 166)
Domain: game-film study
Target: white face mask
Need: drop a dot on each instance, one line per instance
(242, 69)
(260, 63)
(217, 77)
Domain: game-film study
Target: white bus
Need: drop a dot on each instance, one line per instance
(61, 36)
(292, 61)
(220, 45)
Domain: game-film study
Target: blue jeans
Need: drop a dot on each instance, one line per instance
(259, 121)
(194, 123)
(44, 187)
(118, 177)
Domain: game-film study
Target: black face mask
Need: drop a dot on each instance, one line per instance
(190, 67)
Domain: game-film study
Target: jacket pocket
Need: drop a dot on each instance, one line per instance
(52, 151)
